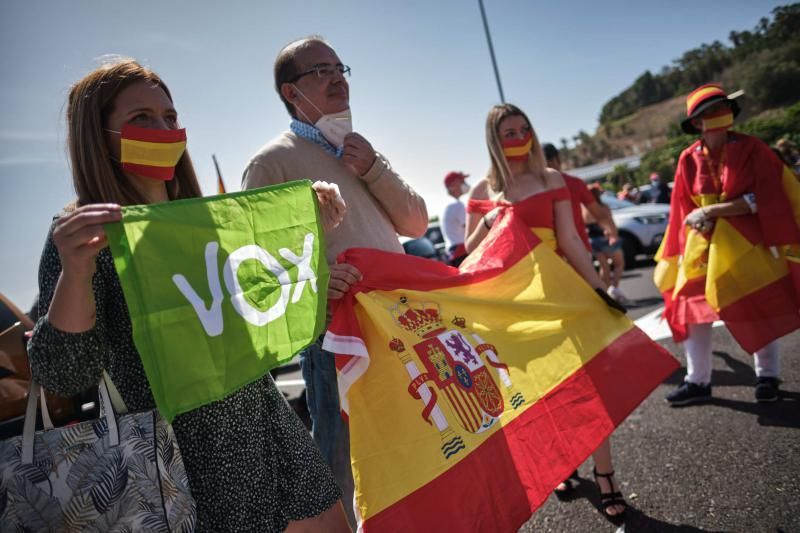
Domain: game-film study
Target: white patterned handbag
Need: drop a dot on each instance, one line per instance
(120, 473)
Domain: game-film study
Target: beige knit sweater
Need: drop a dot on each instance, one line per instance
(380, 205)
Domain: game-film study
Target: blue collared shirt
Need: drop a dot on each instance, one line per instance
(310, 133)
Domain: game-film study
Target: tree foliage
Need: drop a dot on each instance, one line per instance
(765, 62)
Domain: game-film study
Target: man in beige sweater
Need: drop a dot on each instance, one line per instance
(312, 83)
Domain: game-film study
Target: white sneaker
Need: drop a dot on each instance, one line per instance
(617, 294)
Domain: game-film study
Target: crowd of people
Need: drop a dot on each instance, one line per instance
(291, 482)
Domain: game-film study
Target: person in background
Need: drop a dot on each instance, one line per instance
(454, 218)
(659, 192)
(311, 81)
(731, 232)
(608, 252)
(581, 199)
(250, 462)
(629, 193)
(519, 177)
(788, 153)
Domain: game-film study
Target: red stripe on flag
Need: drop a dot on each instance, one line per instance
(764, 315)
(161, 173)
(154, 135)
(500, 484)
(509, 242)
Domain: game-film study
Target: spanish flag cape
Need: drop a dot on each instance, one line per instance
(470, 394)
(746, 271)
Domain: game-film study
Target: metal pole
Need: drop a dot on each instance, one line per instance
(491, 52)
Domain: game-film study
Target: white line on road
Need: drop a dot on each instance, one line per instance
(290, 383)
(655, 327)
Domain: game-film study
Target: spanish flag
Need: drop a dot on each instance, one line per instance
(470, 394)
(220, 183)
(746, 271)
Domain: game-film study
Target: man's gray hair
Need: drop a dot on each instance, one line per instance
(286, 68)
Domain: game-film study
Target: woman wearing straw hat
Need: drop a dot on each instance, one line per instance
(731, 250)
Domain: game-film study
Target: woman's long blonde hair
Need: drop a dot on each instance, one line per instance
(97, 179)
(499, 173)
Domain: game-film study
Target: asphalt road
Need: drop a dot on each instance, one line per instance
(730, 465)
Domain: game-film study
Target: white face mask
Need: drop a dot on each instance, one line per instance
(464, 188)
(333, 126)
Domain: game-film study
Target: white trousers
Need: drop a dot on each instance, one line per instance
(698, 356)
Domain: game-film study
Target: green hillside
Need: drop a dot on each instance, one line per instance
(643, 119)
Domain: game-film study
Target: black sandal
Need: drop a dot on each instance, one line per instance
(610, 499)
(564, 493)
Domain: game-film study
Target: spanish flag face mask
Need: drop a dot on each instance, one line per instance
(518, 149)
(720, 120)
(151, 153)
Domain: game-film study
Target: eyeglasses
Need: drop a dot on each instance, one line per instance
(324, 72)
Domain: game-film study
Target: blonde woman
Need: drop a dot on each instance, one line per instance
(251, 465)
(518, 176)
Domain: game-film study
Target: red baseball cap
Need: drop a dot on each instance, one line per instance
(453, 177)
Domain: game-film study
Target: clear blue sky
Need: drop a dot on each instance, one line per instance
(421, 86)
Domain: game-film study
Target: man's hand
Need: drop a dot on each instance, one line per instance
(331, 204)
(358, 154)
(343, 276)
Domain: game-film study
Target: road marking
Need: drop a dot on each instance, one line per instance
(655, 327)
(290, 383)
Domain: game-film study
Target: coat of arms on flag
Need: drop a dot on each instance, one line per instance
(444, 365)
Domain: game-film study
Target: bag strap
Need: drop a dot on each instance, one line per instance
(29, 426)
(116, 399)
(35, 392)
(111, 420)
(47, 422)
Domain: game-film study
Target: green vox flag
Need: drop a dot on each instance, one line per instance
(221, 289)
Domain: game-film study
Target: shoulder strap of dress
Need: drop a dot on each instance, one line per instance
(480, 207)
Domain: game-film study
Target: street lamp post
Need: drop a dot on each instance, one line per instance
(491, 52)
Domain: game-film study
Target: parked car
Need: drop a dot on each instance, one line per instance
(435, 235)
(429, 246)
(641, 227)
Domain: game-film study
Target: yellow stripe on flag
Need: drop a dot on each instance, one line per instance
(737, 268)
(566, 326)
(516, 151)
(148, 153)
(718, 122)
(792, 188)
(665, 274)
(547, 236)
(694, 264)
